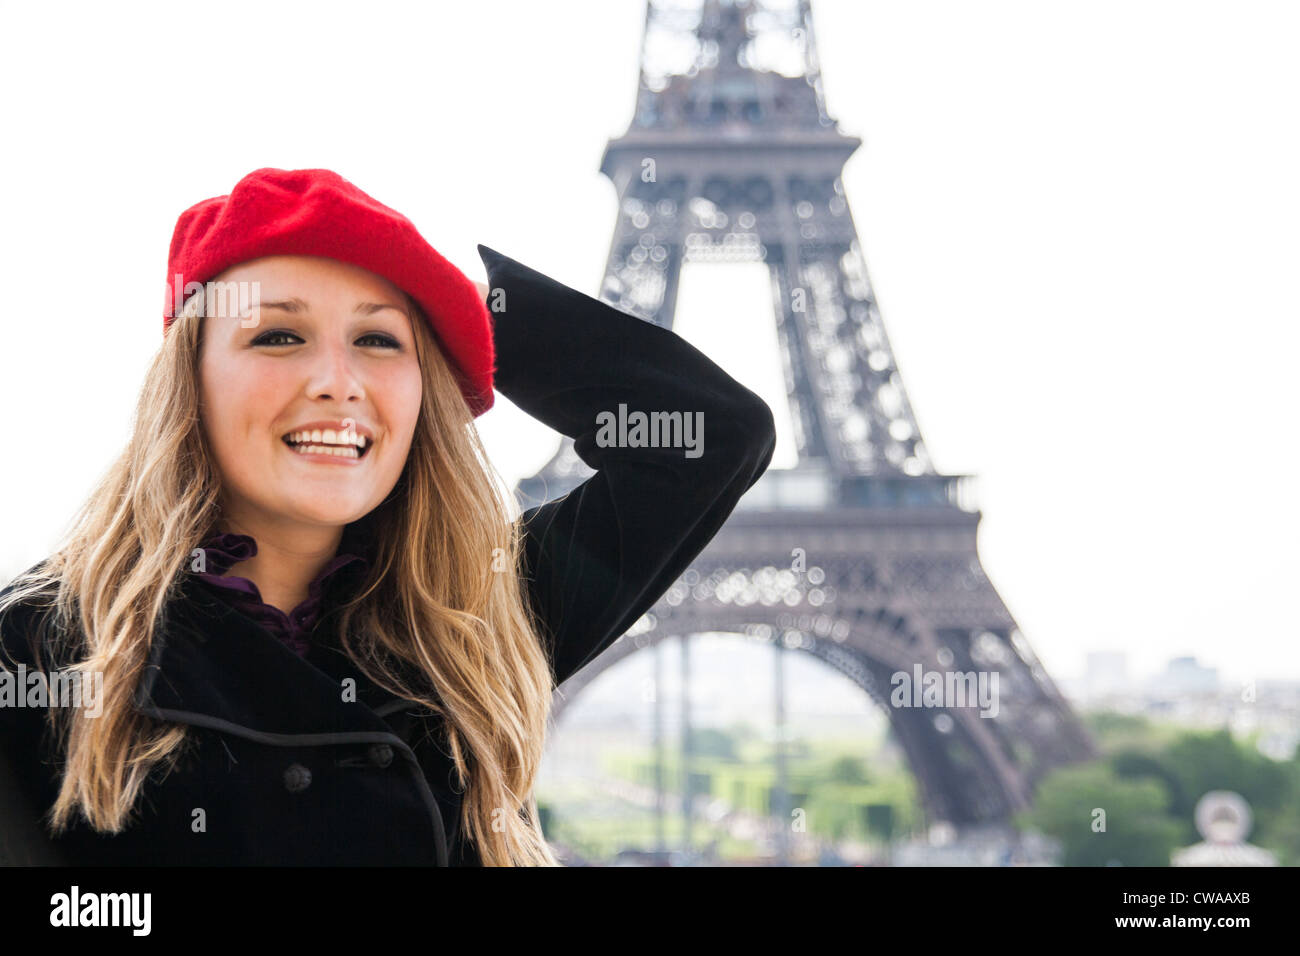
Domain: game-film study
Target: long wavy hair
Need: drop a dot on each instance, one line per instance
(443, 596)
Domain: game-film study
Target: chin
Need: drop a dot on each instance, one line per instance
(331, 516)
(319, 510)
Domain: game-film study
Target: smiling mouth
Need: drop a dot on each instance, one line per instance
(337, 449)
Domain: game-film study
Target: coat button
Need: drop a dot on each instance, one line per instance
(297, 778)
(381, 755)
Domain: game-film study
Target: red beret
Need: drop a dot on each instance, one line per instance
(316, 212)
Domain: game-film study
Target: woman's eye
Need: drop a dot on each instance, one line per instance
(385, 340)
(265, 337)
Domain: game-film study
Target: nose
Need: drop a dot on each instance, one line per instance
(334, 374)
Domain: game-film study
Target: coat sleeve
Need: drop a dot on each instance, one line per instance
(28, 764)
(601, 556)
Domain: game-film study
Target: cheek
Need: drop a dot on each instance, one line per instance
(399, 400)
(413, 392)
(239, 402)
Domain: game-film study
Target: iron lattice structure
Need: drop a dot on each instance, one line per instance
(862, 555)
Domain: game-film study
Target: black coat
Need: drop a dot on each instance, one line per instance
(285, 771)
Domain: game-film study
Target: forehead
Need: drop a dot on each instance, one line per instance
(298, 275)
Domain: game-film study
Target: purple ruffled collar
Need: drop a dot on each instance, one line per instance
(223, 550)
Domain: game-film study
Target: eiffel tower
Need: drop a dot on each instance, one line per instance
(862, 555)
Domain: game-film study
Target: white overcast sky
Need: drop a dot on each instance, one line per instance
(1080, 220)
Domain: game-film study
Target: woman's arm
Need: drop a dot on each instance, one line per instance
(602, 555)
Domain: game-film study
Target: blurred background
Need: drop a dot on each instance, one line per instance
(1076, 222)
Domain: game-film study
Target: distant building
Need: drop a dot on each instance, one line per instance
(1224, 819)
(1183, 675)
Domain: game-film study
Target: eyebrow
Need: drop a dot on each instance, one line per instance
(296, 305)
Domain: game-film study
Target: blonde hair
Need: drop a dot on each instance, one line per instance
(434, 597)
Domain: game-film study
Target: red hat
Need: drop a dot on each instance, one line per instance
(316, 212)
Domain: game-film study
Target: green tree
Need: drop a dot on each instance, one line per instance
(1137, 830)
(1131, 763)
(848, 769)
(1215, 761)
(711, 742)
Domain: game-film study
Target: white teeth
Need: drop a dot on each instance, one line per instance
(345, 451)
(329, 437)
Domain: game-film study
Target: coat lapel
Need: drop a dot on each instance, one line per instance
(212, 666)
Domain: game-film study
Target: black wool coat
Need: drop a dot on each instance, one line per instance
(282, 769)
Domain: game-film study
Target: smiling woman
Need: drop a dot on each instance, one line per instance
(373, 685)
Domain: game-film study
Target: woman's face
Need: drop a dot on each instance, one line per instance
(330, 349)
